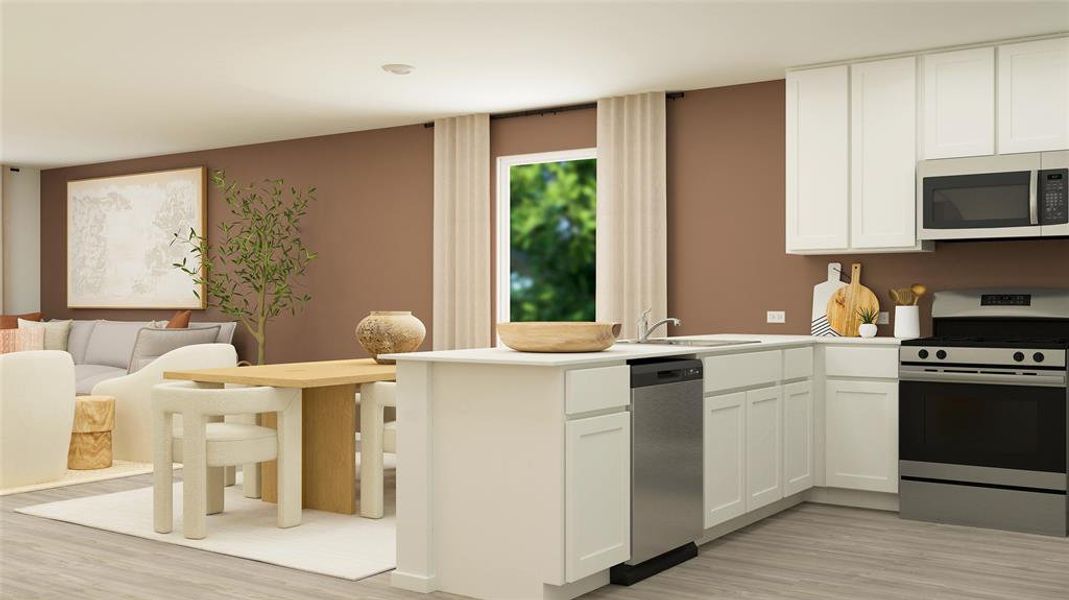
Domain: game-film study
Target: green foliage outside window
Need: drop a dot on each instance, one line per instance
(553, 240)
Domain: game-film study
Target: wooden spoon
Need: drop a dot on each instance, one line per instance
(918, 290)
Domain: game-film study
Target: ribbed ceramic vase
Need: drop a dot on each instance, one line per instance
(390, 331)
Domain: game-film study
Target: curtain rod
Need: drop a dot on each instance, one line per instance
(555, 109)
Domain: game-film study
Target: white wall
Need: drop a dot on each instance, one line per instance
(21, 210)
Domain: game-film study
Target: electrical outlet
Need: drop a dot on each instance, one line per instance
(884, 318)
(776, 316)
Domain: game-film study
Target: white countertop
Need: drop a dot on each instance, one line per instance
(623, 352)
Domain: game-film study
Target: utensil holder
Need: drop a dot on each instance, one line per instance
(907, 322)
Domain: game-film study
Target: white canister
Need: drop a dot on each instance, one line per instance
(907, 322)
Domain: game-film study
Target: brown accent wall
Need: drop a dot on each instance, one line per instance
(726, 263)
(371, 226)
(726, 227)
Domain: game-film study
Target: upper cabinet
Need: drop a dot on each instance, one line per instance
(883, 153)
(958, 103)
(851, 156)
(1033, 96)
(856, 131)
(818, 166)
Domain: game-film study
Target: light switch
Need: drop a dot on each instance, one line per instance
(776, 316)
(884, 318)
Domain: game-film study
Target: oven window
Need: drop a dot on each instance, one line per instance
(1010, 427)
(974, 201)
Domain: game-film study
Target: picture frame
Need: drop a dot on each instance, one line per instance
(120, 234)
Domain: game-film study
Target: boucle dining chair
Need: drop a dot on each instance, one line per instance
(205, 446)
(376, 437)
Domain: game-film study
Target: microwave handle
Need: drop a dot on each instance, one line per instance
(1033, 199)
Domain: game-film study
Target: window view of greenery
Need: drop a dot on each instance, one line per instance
(553, 240)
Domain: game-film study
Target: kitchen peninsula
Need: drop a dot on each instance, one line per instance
(514, 469)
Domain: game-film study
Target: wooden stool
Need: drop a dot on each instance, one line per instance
(94, 418)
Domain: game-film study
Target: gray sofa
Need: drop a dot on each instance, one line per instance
(102, 349)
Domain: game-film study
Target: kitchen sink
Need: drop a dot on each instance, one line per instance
(698, 343)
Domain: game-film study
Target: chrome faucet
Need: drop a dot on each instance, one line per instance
(645, 329)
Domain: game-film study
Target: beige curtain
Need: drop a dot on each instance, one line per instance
(462, 232)
(632, 244)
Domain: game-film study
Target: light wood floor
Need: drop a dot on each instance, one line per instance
(809, 552)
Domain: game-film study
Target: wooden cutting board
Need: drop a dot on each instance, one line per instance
(822, 292)
(847, 301)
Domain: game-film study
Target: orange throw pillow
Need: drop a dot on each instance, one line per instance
(180, 320)
(12, 321)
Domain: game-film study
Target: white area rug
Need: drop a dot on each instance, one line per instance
(345, 546)
(118, 468)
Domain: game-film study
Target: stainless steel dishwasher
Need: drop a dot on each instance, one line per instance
(666, 466)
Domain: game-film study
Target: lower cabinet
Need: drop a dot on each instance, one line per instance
(861, 435)
(597, 494)
(797, 437)
(764, 447)
(725, 457)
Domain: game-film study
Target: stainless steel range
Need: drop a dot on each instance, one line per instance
(983, 412)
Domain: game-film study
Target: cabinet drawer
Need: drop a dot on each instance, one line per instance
(852, 361)
(742, 370)
(587, 390)
(797, 363)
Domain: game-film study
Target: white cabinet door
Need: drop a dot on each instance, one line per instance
(597, 494)
(959, 103)
(764, 447)
(797, 437)
(1033, 96)
(883, 153)
(861, 434)
(817, 159)
(725, 457)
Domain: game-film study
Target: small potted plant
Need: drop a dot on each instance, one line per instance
(868, 316)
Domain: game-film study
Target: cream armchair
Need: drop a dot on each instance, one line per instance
(36, 414)
(132, 437)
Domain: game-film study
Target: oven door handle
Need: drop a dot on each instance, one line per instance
(989, 378)
(1033, 198)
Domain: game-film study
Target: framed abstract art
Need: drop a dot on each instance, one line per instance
(119, 233)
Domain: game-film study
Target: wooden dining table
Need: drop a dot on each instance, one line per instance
(329, 422)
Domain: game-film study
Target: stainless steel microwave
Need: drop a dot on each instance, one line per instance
(1004, 196)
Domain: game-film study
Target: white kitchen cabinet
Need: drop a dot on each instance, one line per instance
(764, 447)
(861, 434)
(817, 159)
(883, 153)
(1033, 96)
(958, 104)
(725, 457)
(797, 437)
(597, 494)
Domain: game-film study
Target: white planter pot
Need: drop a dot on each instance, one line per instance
(867, 330)
(907, 322)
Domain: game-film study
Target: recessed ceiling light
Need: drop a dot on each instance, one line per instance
(398, 68)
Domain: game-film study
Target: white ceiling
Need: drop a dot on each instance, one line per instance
(86, 81)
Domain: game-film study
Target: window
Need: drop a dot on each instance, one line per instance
(546, 230)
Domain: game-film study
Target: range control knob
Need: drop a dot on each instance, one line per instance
(1018, 356)
(1038, 357)
(922, 353)
(941, 354)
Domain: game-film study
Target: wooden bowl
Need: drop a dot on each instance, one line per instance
(547, 336)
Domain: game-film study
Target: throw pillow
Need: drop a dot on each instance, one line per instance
(154, 343)
(180, 320)
(56, 332)
(20, 340)
(12, 321)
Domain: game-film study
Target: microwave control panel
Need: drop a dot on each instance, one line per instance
(1054, 196)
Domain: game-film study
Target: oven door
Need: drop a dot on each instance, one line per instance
(990, 428)
(980, 197)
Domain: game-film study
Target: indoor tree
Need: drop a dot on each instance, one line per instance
(255, 263)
